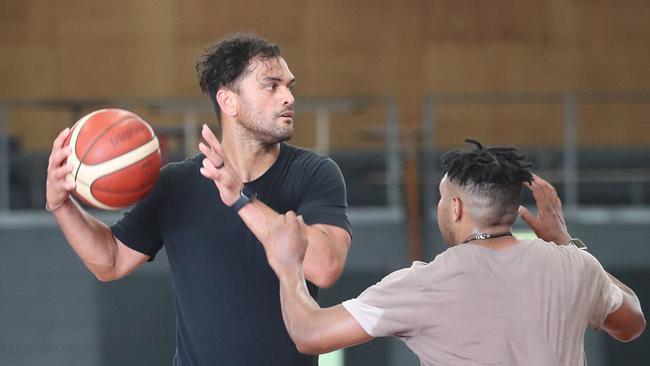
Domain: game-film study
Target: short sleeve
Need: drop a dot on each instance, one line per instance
(324, 200)
(606, 296)
(139, 228)
(390, 307)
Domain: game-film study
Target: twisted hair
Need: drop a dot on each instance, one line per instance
(493, 177)
(226, 62)
(497, 165)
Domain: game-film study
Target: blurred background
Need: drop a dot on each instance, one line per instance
(384, 87)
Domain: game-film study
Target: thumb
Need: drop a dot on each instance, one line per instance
(527, 216)
(302, 228)
(290, 218)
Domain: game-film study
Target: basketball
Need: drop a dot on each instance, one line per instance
(115, 158)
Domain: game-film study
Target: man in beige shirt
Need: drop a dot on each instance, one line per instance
(490, 299)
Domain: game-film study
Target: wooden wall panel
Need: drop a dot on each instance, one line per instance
(538, 126)
(75, 48)
(614, 124)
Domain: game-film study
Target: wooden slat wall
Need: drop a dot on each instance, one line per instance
(78, 48)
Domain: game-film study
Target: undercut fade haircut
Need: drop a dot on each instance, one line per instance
(225, 63)
(492, 177)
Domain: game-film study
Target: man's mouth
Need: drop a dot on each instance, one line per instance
(287, 114)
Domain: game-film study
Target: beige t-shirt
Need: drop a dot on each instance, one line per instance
(529, 304)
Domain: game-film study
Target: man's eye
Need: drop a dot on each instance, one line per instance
(271, 86)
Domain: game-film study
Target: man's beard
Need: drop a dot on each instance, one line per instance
(266, 132)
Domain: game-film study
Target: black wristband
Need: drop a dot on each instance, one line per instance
(246, 196)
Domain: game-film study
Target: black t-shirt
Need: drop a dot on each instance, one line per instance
(226, 295)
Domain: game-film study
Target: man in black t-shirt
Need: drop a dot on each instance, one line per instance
(210, 212)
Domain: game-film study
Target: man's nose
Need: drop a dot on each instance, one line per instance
(287, 97)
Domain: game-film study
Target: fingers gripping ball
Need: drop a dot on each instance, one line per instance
(115, 158)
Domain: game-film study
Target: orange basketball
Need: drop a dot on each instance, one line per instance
(115, 157)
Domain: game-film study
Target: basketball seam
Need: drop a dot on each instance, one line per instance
(90, 146)
(101, 174)
(72, 132)
(116, 171)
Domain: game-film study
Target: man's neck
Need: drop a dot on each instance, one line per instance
(249, 157)
(497, 236)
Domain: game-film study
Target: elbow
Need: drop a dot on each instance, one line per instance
(643, 323)
(310, 350)
(310, 345)
(309, 336)
(105, 276)
(324, 267)
(306, 348)
(104, 272)
(326, 273)
(635, 332)
(629, 337)
(105, 279)
(326, 277)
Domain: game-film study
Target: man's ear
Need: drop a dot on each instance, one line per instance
(456, 209)
(227, 100)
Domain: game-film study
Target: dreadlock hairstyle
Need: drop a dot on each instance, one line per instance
(493, 178)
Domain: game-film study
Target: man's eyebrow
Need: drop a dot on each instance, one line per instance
(271, 78)
(277, 79)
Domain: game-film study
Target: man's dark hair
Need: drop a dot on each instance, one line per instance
(226, 62)
(494, 175)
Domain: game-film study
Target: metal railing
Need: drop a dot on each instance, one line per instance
(187, 129)
(569, 101)
(190, 111)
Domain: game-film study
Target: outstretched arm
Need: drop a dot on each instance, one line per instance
(627, 322)
(313, 330)
(328, 244)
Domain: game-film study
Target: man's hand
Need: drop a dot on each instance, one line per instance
(217, 168)
(286, 243)
(549, 224)
(57, 187)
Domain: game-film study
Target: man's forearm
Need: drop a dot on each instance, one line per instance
(325, 257)
(299, 310)
(315, 330)
(91, 239)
